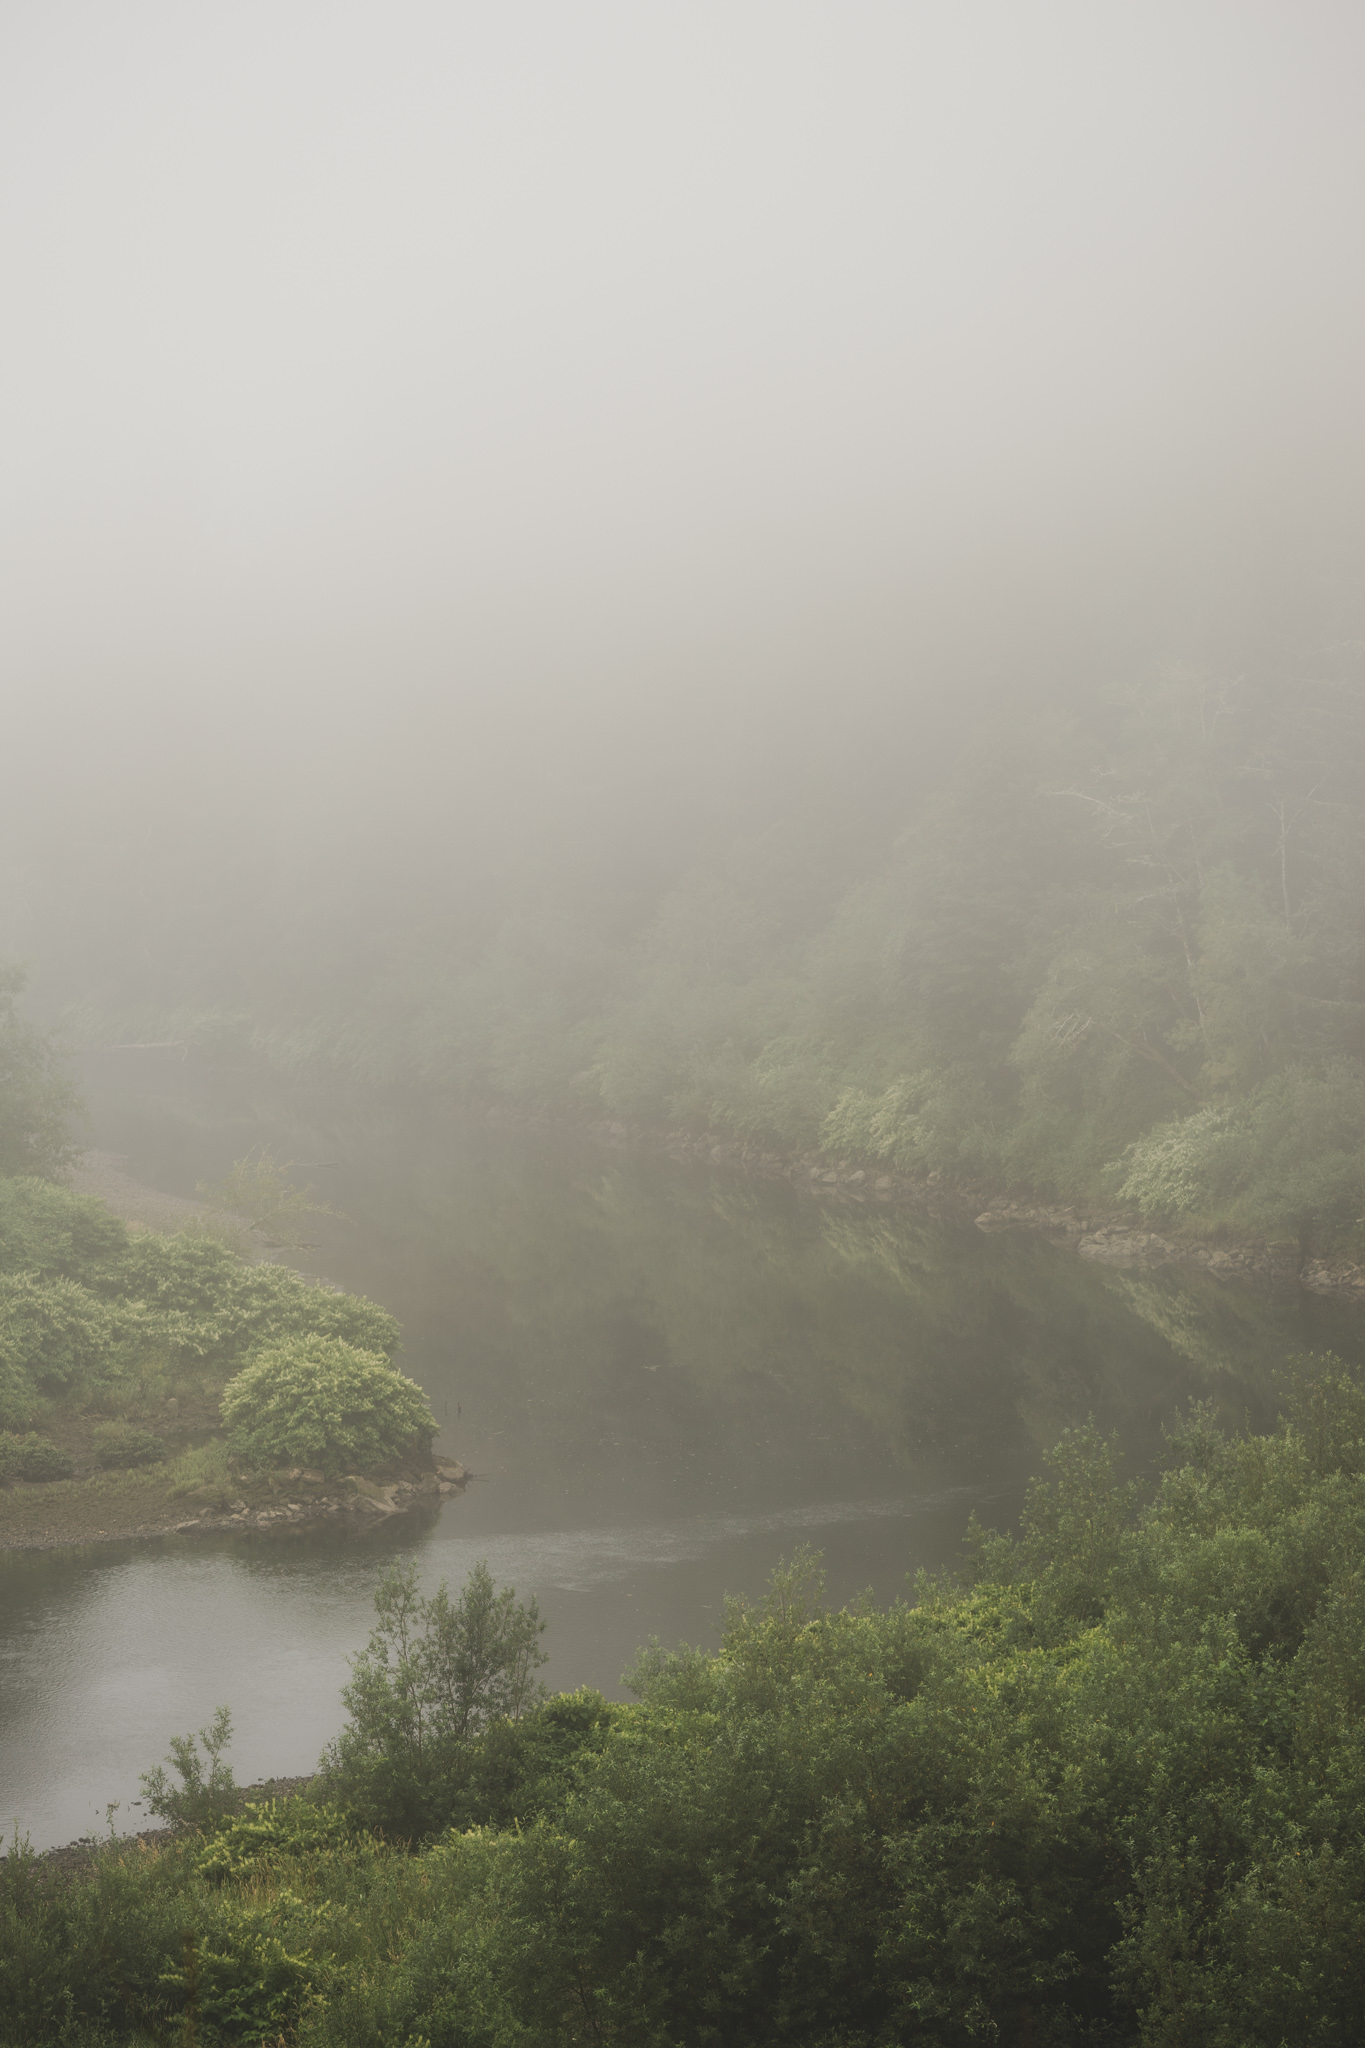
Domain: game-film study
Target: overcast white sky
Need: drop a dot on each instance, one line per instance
(523, 345)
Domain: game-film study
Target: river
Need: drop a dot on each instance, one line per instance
(665, 1376)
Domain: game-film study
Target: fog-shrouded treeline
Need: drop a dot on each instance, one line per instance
(1104, 945)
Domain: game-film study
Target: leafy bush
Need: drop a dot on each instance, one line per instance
(231, 1307)
(120, 1443)
(1296, 1146)
(274, 1828)
(275, 1303)
(49, 1231)
(32, 1457)
(54, 1335)
(319, 1401)
(927, 1121)
(190, 1274)
(198, 1800)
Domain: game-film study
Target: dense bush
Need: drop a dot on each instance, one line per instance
(54, 1335)
(122, 1443)
(49, 1231)
(319, 1401)
(235, 1306)
(89, 1311)
(32, 1457)
(1295, 1146)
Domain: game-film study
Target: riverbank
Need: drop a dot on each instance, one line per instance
(1109, 1237)
(108, 1507)
(69, 1862)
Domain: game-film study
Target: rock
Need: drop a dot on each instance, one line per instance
(1115, 1248)
(182, 1528)
(829, 1180)
(817, 1173)
(856, 1179)
(883, 1183)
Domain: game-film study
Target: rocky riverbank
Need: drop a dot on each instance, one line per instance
(113, 1506)
(1109, 1238)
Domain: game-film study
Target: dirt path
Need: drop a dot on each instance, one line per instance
(102, 1174)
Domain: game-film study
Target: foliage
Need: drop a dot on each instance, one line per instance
(1296, 1145)
(435, 1674)
(235, 1306)
(204, 1470)
(32, 1457)
(120, 1443)
(317, 1400)
(258, 1187)
(54, 1334)
(198, 1800)
(1107, 1790)
(49, 1231)
(37, 1101)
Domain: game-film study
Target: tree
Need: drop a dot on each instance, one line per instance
(259, 1188)
(197, 1801)
(436, 1674)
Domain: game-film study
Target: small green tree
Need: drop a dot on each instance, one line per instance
(198, 1800)
(259, 1188)
(434, 1676)
(317, 1400)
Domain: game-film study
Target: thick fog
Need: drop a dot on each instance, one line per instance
(451, 415)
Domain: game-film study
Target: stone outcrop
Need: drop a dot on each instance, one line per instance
(353, 1498)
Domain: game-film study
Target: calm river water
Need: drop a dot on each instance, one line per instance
(666, 1378)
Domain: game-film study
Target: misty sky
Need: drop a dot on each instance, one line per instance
(523, 350)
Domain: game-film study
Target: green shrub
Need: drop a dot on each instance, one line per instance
(192, 1275)
(119, 1443)
(271, 1828)
(204, 1469)
(224, 1308)
(277, 1303)
(1294, 1151)
(54, 1335)
(48, 1230)
(198, 1800)
(319, 1401)
(32, 1457)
